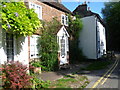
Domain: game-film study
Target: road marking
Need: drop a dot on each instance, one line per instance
(109, 74)
(98, 81)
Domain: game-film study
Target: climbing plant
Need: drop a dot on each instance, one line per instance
(18, 19)
(74, 29)
(49, 45)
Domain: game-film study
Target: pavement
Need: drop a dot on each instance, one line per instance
(52, 76)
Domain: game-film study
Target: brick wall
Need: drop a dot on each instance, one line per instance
(48, 12)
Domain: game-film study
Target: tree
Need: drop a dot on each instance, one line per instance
(18, 19)
(111, 15)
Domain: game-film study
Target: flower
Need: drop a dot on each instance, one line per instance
(8, 25)
(16, 14)
(4, 5)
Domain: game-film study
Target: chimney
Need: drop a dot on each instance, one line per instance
(83, 7)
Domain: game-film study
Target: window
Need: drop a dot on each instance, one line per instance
(38, 9)
(10, 46)
(64, 20)
(34, 48)
(62, 48)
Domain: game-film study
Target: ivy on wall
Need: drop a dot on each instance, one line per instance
(74, 29)
(18, 19)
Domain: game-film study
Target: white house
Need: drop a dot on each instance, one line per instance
(92, 38)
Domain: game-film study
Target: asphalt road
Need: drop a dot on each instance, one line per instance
(109, 78)
(112, 80)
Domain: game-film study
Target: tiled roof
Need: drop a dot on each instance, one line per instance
(58, 6)
(83, 12)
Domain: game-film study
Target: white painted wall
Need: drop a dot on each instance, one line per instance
(87, 39)
(3, 57)
(89, 42)
(21, 50)
(102, 38)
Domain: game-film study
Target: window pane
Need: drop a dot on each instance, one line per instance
(66, 20)
(34, 49)
(9, 46)
(63, 20)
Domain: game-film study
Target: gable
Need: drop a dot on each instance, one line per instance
(62, 32)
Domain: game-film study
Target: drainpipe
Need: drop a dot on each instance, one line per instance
(96, 40)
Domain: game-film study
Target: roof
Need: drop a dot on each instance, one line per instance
(90, 13)
(58, 6)
(83, 12)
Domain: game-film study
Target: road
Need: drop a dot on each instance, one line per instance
(111, 79)
(107, 78)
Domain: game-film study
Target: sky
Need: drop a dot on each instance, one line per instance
(94, 6)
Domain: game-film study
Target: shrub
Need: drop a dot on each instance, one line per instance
(15, 75)
(38, 83)
(49, 45)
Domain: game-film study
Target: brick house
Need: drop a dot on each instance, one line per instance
(25, 49)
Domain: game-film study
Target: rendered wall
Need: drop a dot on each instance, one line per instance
(21, 50)
(87, 39)
(102, 38)
(3, 56)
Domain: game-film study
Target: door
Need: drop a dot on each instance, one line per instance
(63, 50)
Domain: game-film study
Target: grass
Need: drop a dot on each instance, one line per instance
(70, 81)
(97, 65)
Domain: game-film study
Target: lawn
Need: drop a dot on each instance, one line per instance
(70, 81)
(97, 65)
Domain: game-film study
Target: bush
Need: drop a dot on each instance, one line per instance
(49, 45)
(15, 75)
(38, 83)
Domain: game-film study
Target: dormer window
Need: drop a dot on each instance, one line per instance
(37, 8)
(64, 20)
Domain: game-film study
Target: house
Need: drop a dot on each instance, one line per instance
(24, 49)
(92, 38)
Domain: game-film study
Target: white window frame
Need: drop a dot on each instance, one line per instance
(65, 21)
(38, 9)
(34, 50)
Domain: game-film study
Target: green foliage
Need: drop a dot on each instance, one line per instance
(111, 15)
(70, 81)
(19, 20)
(38, 83)
(97, 65)
(36, 64)
(49, 45)
(75, 27)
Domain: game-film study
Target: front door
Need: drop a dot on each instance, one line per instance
(63, 52)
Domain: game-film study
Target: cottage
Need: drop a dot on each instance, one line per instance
(24, 49)
(92, 38)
